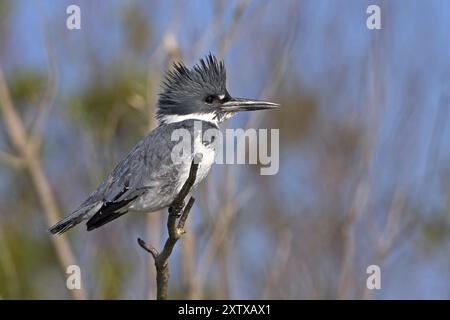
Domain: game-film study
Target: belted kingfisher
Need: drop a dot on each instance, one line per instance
(147, 179)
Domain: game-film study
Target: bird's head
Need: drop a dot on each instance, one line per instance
(201, 93)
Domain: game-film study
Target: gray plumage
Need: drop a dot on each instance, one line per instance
(147, 179)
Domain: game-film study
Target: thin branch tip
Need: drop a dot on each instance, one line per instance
(149, 248)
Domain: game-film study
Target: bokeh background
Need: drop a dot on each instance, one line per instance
(364, 148)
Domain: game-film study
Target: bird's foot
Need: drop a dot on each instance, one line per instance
(177, 209)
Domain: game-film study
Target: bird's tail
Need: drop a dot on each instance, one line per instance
(79, 215)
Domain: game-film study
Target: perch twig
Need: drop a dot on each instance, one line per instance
(178, 214)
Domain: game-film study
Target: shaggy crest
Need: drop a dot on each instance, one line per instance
(182, 84)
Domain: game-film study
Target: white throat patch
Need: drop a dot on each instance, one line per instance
(208, 117)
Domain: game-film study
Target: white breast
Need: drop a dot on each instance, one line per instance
(152, 201)
(208, 155)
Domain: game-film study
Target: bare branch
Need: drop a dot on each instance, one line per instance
(359, 202)
(280, 258)
(228, 37)
(178, 214)
(218, 236)
(149, 248)
(46, 104)
(390, 233)
(10, 160)
(185, 214)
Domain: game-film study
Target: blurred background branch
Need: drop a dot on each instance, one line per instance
(30, 158)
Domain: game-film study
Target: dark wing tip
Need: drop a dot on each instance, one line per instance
(61, 227)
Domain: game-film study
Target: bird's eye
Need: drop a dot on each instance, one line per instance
(210, 99)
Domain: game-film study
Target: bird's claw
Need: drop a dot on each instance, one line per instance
(176, 209)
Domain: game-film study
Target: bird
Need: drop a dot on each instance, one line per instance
(148, 179)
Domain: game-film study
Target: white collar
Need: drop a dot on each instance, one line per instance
(208, 117)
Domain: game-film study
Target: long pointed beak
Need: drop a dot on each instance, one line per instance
(238, 104)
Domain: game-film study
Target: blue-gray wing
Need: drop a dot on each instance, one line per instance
(148, 172)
